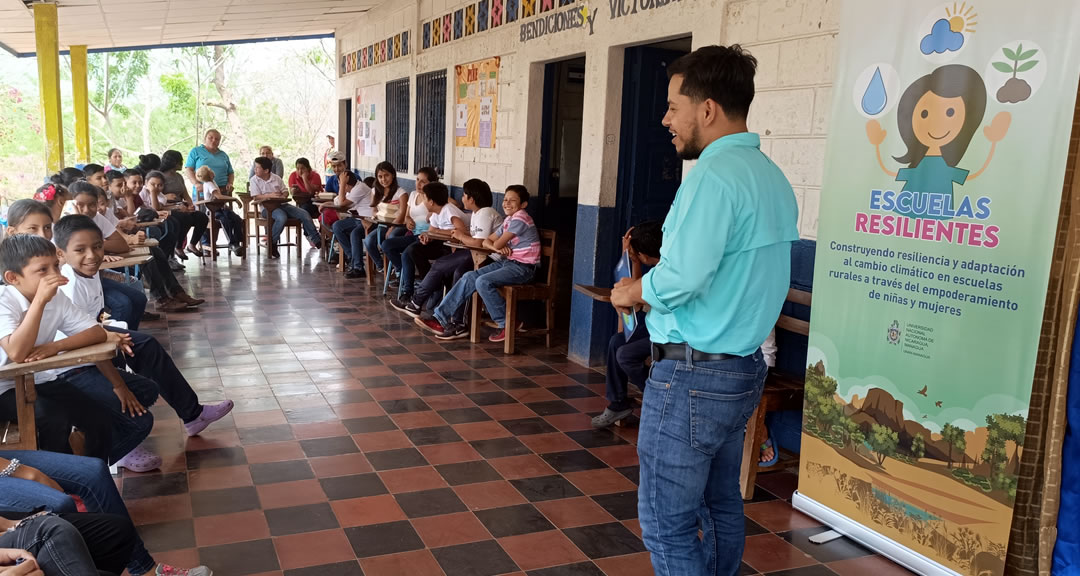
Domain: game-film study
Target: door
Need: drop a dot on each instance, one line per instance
(649, 168)
(345, 122)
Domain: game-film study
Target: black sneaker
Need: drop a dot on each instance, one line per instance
(354, 273)
(453, 332)
(238, 250)
(401, 305)
(412, 309)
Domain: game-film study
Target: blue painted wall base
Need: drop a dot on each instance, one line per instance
(595, 251)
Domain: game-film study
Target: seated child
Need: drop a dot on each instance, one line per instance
(349, 231)
(134, 182)
(626, 355)
(164, 287)
(518, 241)
(448, 270)
(82, 251)
(33, 312)
(229, 221)
(415, 259)
(266, 184)
(95, 174)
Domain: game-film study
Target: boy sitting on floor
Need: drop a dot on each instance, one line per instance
(518, 241)
(82, 250)
(626, 354)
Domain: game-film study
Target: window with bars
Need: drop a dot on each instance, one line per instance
(431, 120)
(397, 124)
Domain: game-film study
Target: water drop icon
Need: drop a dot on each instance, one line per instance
(875, 97)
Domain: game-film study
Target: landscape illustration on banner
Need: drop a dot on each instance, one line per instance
(938, 211)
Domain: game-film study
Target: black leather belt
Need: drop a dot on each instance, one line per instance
(678, 352)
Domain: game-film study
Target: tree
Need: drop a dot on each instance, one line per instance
(113, 78)
(821, 406)
(954, 437)
(918, 446)
(237, 133)
(883, 441)
(1002, 428)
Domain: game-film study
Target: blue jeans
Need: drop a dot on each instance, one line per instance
(286, 211)
(394, 248)
(74, 544)
(127, 432)
(693, 420)
(87, 478)
(124, 301)
(626, 363)
(485, 281)
(349, 232)
(151, 359)
(371, 242)
(231, 223)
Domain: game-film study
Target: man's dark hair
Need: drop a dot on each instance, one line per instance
(351, 179)
(91, 169)
(521, 191)
(17, 251)
(645, 238)
(84, 187)
(479, 191)
(723, 74)
(20, 209)
(113, 175)
(131, 172)
(369, 181)
(438, 193)
(265, 163)
(64, 229)
(430, 173)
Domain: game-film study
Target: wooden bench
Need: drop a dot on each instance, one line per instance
(25, 394)
(782, 392)
(544, 290)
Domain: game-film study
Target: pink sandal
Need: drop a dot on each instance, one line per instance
(140, 460)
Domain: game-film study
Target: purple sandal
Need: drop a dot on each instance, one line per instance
(140, 460)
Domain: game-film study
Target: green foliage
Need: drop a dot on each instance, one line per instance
(821, 406)
(918, 446)
(114, 78)
(1002, 428)
(955, 438)
(1016, 56)
(883, 441)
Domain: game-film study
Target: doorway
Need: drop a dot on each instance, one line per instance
(560, 168)
(345, 122)
(650, 170)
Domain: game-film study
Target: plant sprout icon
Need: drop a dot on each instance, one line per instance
(1015, 89)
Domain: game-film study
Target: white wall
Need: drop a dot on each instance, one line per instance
(792, 39)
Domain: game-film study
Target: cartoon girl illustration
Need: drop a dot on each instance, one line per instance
(937, 116)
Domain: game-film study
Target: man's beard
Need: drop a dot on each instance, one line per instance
(692, 149)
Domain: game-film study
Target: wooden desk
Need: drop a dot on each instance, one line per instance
(479, 253)
(25, 393)
(595, 292)
(139, 251)
(149, 224)
(301, 198)
(326, 196)
(127, 262)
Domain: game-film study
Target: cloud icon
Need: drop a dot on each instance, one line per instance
(941, 39)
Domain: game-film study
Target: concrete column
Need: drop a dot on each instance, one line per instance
(47, 39)
(81, 97)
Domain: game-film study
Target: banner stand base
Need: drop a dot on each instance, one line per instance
(886, 547)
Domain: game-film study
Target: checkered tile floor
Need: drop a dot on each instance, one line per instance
(361, 446)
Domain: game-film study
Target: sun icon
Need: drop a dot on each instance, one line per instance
(962, 18)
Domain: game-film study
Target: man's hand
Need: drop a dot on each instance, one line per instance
(47, 288)
(128, 403)
(42, 352)
(28, 567)
(424, 238)
(229, 189)
(112, 258)
(506, 250)
(122, 341)
(458, 235)
(626, 240)
(626, 295)
(34, 475)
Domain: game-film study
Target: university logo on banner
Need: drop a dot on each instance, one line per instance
(946, 154)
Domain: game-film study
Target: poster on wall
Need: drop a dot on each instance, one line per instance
(477, 92)
(368, 114)
(945, 160)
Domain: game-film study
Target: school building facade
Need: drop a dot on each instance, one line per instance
(578, 99)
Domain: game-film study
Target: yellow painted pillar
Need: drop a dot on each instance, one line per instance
(81, 97)
(47, 40)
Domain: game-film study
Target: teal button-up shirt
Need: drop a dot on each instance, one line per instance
(725, 265)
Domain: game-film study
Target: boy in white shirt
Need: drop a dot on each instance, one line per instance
(33, 312)
(267, 184)
(82, 250)
(443, 216)
(447, 270)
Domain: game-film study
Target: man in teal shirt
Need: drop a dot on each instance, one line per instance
(723, 276)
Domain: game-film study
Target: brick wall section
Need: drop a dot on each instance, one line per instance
(794, 42)
(1037, 493)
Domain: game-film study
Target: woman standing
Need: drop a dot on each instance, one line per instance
(116, 160)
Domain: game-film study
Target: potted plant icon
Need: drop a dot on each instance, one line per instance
(1015, 89)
